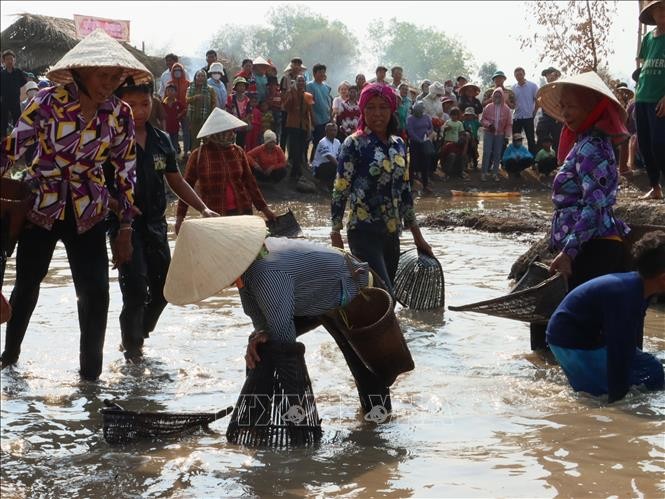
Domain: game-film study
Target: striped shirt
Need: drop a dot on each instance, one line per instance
(297, 279)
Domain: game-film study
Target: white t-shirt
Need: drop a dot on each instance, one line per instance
(325, 148)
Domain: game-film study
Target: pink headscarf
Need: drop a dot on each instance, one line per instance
(604, 117)
(373, 90)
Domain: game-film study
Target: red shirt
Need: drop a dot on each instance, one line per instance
(264, 159)
(174, 111)
(216, 169)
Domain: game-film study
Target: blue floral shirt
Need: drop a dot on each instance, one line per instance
(584, 192)
(374, 178)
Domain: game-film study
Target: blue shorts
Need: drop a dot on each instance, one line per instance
(586, 370)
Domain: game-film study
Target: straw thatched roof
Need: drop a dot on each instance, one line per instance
(41, 41)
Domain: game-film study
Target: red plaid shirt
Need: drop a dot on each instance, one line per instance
(214, 168)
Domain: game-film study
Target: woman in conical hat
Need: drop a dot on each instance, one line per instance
(77, 126)
(222, 171)
(585, 232)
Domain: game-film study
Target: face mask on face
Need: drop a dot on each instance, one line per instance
(177, 74)
(216, 76)
(223, 139)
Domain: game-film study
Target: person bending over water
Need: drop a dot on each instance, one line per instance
(596, 332)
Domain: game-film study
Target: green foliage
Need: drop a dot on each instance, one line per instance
(487, 69)
(290, 32)
(423, 52)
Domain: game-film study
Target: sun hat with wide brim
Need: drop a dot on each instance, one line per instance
(437, 88)
(260, 61)
(625, 90)
(31, 85)
(98, 50)
(211, 254)
(289, 67)
(219, 121)
(470, 85)
(238, 80)
(646, 15)
(549, 95)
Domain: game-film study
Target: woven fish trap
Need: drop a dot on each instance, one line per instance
(534, 298)
(121, 426)
(284, 225)
(276, 407)
(419, 281)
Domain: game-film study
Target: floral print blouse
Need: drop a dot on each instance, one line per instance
(584, 192)
(70, 155)
(374, 178)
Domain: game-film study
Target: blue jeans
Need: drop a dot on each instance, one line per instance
(586, 370)
(650, 133)
(492, 145)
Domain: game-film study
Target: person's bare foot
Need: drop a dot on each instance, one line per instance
(654, 193)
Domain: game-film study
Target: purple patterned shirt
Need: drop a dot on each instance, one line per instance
(70, 155)
(584, 192)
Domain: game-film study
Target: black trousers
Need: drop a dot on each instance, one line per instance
(547, 165)
(142, 285)
(7, 109)
(317, 134)
(297, 138)
(420, 161)
(379, 249)
(88, 262)
(526, 124)
(326, 173)
(273, 177)
(515, 166)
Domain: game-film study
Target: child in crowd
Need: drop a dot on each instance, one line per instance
(546, 158)
(517, 157)
(347, 118)
(174, 111)
(267, 120)
(238, 105)
(275, 104)
(31, 90)
(471, 126)
(454, 145)
(256, 119)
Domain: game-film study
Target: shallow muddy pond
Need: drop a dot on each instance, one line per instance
(479, 416)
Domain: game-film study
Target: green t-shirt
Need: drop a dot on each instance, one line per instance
(452, 134)
(651, 85)
(543, 154)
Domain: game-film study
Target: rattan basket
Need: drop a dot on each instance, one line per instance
(121, 426)
(276, 407)
(284, 225)
(533, 299)
(419, 281)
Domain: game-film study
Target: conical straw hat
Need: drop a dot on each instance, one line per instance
(646, 15)
(549, 95)
(219, 121)
(260, 61)
(98, 50)
(210, 254)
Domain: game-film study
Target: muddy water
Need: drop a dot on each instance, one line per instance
(480, 415)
